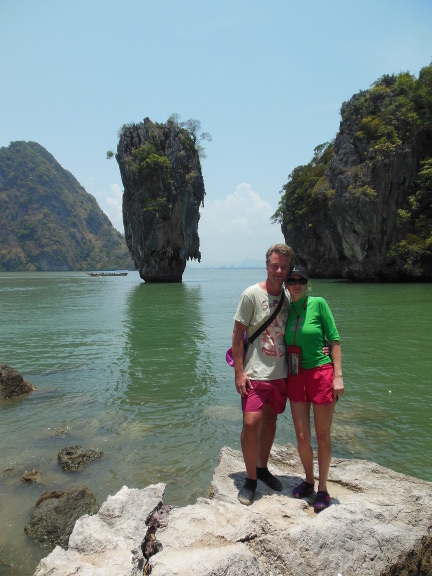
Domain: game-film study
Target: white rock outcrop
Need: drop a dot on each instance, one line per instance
(107, 543)
(379, 523)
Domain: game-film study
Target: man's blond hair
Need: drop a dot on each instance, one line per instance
(282, 249)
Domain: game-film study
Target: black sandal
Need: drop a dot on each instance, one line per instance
(322, 501)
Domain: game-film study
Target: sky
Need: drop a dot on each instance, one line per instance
(265, 78)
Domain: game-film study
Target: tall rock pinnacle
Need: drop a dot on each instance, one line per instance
(163, 190)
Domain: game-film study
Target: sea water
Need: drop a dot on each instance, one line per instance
(138, 371)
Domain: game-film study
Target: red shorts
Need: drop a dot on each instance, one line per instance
(271, 392)
(313, 385)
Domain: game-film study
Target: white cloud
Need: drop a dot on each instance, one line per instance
(237, 228)
(233, 231)
(111, 203)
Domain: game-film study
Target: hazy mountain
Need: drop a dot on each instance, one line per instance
(48, 222)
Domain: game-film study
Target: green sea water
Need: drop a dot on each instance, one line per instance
(138, 371)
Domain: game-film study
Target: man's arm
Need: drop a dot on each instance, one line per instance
(242, 382)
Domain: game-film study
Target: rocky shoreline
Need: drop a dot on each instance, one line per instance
(379, 523)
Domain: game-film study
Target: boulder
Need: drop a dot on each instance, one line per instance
(12, 383)
(56, 512)
(75, 457)
(378, 524)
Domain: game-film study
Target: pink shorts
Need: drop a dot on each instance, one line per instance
(313, 385)
(271, 392)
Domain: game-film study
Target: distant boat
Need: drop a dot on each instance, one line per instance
(108, 273)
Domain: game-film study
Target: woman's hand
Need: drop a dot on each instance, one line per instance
(338, 387)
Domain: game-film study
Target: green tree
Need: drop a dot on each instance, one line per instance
(193, 127)
(151, 164)
(305, 190)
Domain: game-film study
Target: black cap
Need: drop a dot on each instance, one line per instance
(298, 270)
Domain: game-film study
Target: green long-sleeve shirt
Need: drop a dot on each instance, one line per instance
(315, 322)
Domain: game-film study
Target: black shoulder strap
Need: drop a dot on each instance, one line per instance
(269, 320)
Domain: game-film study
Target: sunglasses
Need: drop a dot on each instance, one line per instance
(294, 281)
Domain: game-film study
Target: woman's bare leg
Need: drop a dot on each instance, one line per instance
(323, 416)
(301, 417)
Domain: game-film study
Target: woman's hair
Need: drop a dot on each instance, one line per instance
(282, 249)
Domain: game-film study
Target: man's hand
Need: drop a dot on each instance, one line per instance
(242, 383)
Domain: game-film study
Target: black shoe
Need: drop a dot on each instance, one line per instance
(246, 494)
(267, 477)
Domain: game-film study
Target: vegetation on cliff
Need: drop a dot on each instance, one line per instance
(377, 174)
(48, 222)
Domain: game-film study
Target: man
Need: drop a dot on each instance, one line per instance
(261, 378)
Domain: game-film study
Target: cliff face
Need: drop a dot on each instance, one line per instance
(48, 222)
(163, 189)
(362, 209)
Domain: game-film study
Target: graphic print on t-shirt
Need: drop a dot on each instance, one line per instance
(272, 339)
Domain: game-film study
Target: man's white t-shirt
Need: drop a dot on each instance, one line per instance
(266, 356)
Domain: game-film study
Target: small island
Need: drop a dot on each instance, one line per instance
(163, 190)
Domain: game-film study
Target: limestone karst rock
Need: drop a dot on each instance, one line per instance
(358, 205)
(163, 190)
(361, 209)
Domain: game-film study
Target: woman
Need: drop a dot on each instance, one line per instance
(312, 379)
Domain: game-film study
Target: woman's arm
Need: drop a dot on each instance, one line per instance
(338, 385)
